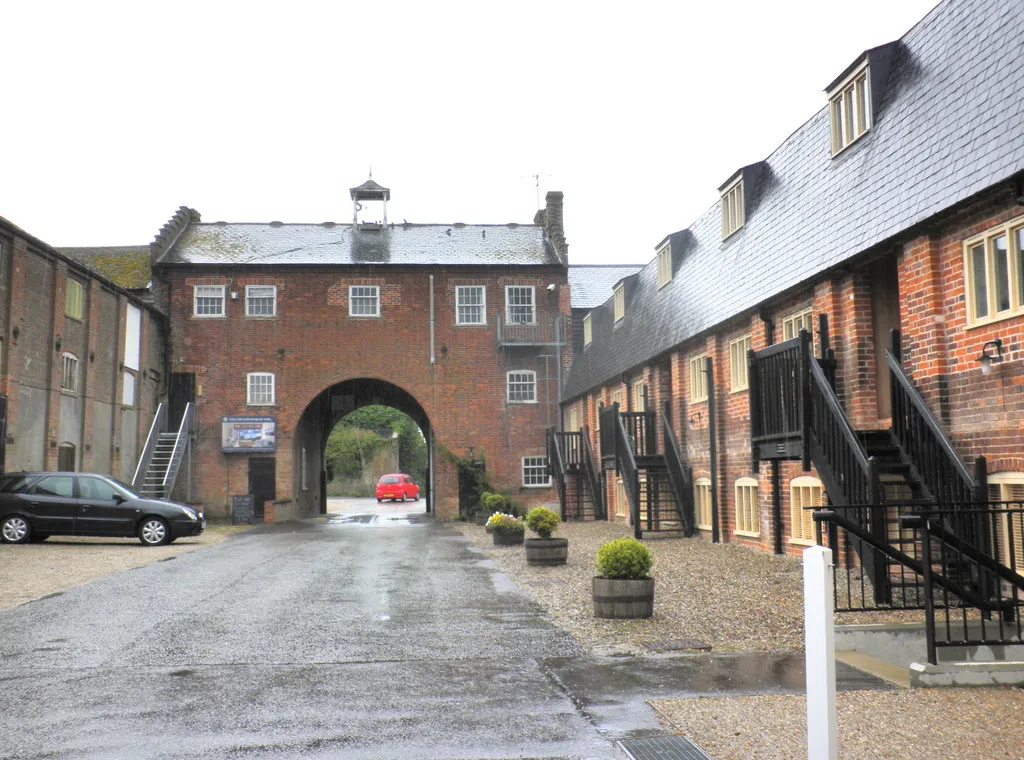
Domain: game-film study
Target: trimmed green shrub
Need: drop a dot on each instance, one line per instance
(496, 502)
(624, 558)
(542, 521)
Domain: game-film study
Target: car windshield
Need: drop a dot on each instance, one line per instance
(388, 479)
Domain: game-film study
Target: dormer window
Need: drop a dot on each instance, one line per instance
(665, 264)
(588, 331)
(619, 301)
(732, 207)
(850, 105)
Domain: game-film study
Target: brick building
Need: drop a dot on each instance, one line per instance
(898, 206)
(81, 362)
(279, 330)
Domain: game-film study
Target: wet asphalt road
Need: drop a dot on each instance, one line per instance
(373, 633)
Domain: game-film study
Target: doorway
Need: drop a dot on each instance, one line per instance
(66, 457)
(262, 484)
(180, 393)
(885, 316)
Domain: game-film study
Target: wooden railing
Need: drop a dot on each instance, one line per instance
(556, 465)
(679, 475)
(921, 436)
(625, 461)
(591, 469)
(775, 397)
(641, 432)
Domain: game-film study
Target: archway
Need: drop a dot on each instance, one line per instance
(332, 404)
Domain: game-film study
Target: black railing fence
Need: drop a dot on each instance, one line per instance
(933, 563)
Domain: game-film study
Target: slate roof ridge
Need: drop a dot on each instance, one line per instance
(390, 225)
(924, 154)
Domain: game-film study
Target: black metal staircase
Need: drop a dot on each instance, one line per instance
(912, 518)
(571, 463)
(658, 486)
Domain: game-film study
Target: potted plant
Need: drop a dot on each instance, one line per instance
(507, 529)
(545, 550)
(623, 587)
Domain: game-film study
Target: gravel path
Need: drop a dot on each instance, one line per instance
(29, 571)
(736, 599)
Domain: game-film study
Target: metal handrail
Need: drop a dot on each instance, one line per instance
(678, 477)
(181, 443)
(155, 429)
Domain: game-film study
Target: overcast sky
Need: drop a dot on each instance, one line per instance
(115, 114)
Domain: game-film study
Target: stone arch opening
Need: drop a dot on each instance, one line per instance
(330, 406)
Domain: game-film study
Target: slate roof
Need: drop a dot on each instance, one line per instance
(399, 245)
(949, 125)
(127, 266)
(591, 284)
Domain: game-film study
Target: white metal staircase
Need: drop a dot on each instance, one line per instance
(164, 453)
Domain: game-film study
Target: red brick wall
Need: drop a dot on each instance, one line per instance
(313, 344)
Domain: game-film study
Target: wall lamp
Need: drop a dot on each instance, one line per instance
(57, 343)
(694, 420)
(991, 353)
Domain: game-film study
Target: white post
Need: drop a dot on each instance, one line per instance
(820, 646)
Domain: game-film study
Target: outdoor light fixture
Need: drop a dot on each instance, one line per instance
(695, 420)
(988, 358)
(57, 343)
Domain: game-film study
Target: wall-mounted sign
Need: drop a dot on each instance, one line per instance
(241, 434)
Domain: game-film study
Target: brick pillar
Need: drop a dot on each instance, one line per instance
(923, 322)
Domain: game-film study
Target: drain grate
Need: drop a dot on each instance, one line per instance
(676, 645)
(663, 748)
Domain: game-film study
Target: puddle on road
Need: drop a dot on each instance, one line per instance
(375, 521)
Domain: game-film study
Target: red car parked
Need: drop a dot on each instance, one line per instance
(397, 486)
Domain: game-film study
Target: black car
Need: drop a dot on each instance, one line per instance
(37, 505)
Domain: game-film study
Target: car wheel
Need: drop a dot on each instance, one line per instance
(35, 538)
(416, 497)
(379, 500)
(153, 532)
(403, 498)
(15, 530)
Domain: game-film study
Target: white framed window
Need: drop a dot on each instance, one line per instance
(698, 378)
(74, 299)
(260, 300)
(535, 472)
(702, 503)
(804, 492)
(748, 514)
(738, 380)
(664, 257)
(637, 392)
(794, 323)
(994, 268)
(1008, 487)
(520, 305)
(208, 301)
(522, 386)
(588, 330)
(572, 425)
(850, 106)
(621, 502)
(619, 301)
(733, 213)
(364, 300)
(69, 376)
(128, 388)
(132, 336)
(470, 305)
(619, 397)
(260, 389)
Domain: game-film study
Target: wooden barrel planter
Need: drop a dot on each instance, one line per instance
(507, 537)
(547, 551)
(616, 598)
